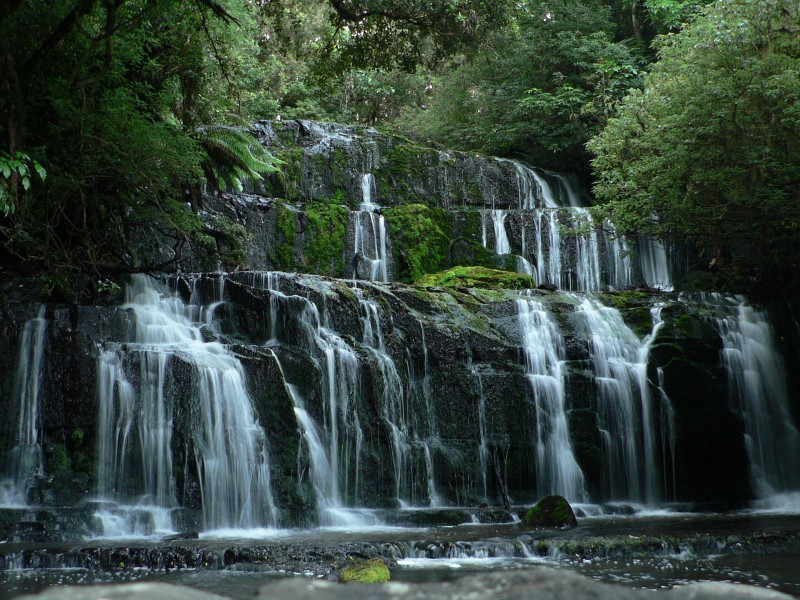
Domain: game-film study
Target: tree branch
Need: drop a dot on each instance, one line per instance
(67, 25)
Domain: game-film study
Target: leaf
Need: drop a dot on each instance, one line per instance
(40, 170)
(26, 182)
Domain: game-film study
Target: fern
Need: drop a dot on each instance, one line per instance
(232, 156)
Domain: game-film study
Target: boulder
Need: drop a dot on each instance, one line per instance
(550, 511)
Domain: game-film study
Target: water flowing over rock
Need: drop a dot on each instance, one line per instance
(26, 453)
(262, 399)
(357, 203)
(275, 397)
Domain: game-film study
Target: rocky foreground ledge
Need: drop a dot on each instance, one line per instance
(539, 583)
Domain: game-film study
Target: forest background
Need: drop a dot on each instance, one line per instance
(683, 117)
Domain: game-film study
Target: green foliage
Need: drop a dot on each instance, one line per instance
(282, 258)
(232, 155)
(568, 77)
(477, 277)
(420, 239)
(325, 237)
(670, 15)
(16, 171)
(227, 238)
(60, 463)
(711, 149)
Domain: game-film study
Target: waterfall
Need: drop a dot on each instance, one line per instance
(759, 393)
(483, 448)
(135, 429)
(557, 471)
(587, 251)
(502, 245)
(534, 190)
(654, 262)
(669, 437)
(26, 455)
(433, 435)
(619, 260)
(624, 402)
(335, 446)
(393, 401)
(370, 234)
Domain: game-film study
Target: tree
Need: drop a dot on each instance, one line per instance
(132, 105)
(710, 150)
(539, 90)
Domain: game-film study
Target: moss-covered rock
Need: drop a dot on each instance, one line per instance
(550, 511)
(371, 571)
(325, 238)
(420, 239)
(477, 277)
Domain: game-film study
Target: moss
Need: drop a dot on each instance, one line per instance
(550, 511)
(371, 571)
(60, 463)
(229, 239)
(282, 258)
(325, 238)
(477, 277)
(420, 239)
(286, 182)
(623, 300)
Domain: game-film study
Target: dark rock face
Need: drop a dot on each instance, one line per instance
(468, 411)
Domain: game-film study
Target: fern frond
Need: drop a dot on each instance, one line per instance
(232, 156)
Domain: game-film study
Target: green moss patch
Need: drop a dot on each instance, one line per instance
(371, 571)
(286, 224)
(325, 238)
(477, 277)
(420, 239)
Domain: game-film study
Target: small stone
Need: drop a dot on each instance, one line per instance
(371, 571)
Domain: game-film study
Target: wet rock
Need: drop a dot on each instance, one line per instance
(129, 591)
(186, 535)
(550, 511)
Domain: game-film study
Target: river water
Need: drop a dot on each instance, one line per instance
(656, 551)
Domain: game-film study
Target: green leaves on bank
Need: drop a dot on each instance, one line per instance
(710, 150)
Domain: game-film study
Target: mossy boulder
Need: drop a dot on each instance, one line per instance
(371, 571)
(550, 511)
(477, 277)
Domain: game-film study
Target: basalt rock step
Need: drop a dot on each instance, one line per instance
(325, 559)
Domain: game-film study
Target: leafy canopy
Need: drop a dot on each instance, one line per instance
(710, 150)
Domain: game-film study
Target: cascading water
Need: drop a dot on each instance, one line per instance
(758, 392)
(393, 401)
(135, 429)
(483, 448)
(26, 455)
(619, 260)
(335, 448)
(370, 236)
(669, 437)
(655, 264)
(625, 405)
(432, 438)
(557, 471)
(587, 252)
